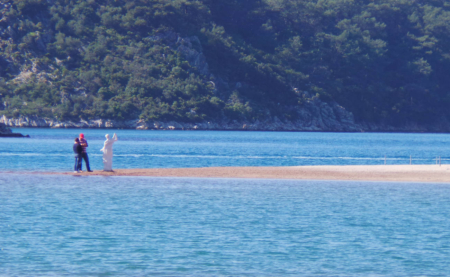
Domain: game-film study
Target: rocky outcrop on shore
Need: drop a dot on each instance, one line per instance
(308, 124)
(312, 125)
(6, 132)
(312, 117)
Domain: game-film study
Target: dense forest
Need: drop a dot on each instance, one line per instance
(385, 61)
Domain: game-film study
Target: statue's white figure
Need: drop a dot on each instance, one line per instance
(108, 152)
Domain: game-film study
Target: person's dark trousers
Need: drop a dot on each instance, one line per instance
(77, 163)
(86, 161)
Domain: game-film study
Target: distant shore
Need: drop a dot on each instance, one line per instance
(394, 173)
(275, 124)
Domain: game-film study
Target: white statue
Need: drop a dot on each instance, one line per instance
(108, 152)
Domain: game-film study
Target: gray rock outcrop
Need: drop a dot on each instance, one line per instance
(6, 132)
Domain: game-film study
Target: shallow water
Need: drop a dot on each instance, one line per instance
(73, 225)
(63, 225)
(51, 149)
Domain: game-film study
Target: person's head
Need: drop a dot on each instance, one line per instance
(81, 136)
(77, 140)
(107, 136)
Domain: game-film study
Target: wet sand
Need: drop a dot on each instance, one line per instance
(397, 173)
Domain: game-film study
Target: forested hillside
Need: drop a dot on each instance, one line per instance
(386, 61)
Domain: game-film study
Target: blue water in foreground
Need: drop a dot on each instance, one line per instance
(51, 149)
(63, 225)
(139, 226)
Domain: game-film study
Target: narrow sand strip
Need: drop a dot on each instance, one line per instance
(398, 173)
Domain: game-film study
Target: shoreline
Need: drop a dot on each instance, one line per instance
(307, 130)
(269, 125)
(238, 130)
(380, 173)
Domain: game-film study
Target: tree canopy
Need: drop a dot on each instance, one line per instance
(385, 61)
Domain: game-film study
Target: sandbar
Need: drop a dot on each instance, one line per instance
(395, 173)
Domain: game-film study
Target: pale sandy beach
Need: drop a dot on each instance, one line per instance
(398, 173)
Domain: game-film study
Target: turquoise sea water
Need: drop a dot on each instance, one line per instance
(139, 226)
(59, 225)
(51, 149)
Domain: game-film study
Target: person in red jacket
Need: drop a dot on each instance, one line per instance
(84, 155)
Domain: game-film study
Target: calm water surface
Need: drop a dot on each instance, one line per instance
(69, 225)
(223, 227)
(51, 149)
